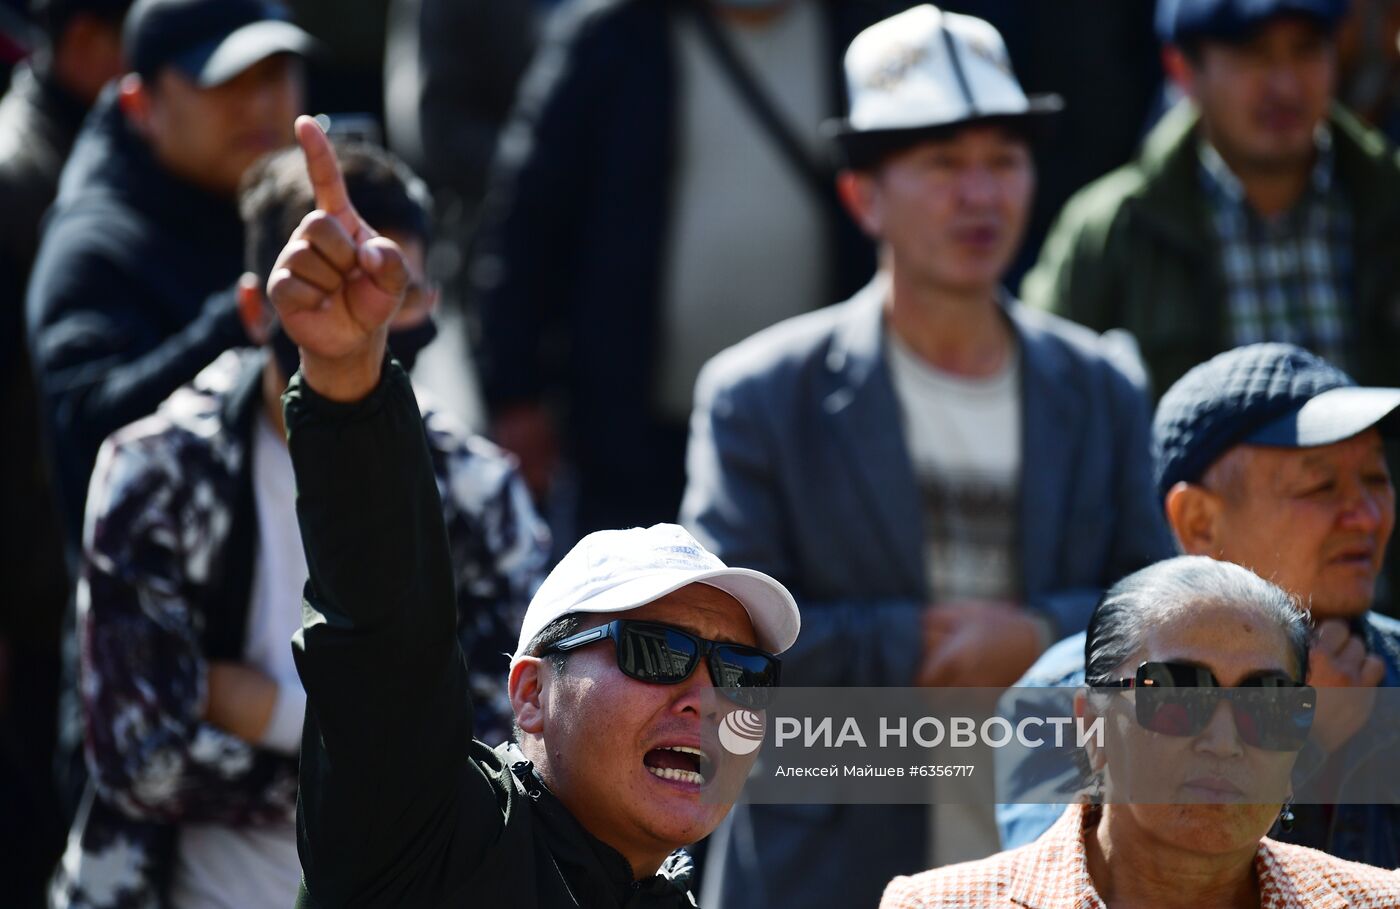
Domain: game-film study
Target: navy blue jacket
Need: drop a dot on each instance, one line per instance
(130, 297)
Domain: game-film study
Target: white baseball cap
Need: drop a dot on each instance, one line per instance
(617, 570)
(925, 69)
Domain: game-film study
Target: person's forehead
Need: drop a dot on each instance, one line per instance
(1233, 640)
(1361, 448)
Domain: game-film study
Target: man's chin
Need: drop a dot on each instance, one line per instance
(1343, 601)
(681, 826)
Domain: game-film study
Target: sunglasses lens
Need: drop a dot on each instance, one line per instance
(1179, 700)
(654, 653)
(1167, 712)
(748, 676)
(1275, 719)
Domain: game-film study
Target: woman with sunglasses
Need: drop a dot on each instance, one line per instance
(1196, 668)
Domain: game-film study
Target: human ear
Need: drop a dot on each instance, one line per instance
(134, 98)
(1085, 716)
(1194, 514)
(253, 309)
(528, 690)
(1179, 70)
(858, 195)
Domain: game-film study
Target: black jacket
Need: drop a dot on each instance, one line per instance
(570, 261)
(398, 805)
(131, 295)
(38, 124)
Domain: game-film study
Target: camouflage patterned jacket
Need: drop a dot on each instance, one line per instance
(168, 552)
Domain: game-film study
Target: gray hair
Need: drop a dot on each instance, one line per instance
(1116, 629)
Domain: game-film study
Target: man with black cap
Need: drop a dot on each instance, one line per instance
(946, 479)
(132, 292)
(1257, 210)
(1271, 457)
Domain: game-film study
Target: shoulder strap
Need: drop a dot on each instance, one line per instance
(815, 173)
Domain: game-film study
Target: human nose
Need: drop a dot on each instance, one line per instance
(1363, 508)
(1221, 737)
(977, 186)
(698, 692)
(1284, 80)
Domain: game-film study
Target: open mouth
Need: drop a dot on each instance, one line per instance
(680, 764)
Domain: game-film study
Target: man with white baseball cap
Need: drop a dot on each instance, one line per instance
(613, 685)
(945, 479)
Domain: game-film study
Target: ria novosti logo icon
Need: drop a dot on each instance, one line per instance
(741, 732)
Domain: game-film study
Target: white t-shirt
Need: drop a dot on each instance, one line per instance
(221, 867)
(964, 441)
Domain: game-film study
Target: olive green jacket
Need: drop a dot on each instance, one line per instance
(1136, 250)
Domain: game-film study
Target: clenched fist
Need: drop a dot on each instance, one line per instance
(337, 283)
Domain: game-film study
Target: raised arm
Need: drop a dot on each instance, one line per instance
(387, 791)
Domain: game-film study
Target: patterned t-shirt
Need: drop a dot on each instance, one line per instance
(964, 441)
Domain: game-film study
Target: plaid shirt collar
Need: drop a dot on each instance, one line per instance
(1223, 186)
(1054, 874)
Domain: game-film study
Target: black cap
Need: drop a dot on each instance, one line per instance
(1278, 395)
(1179, 21)
(211, 41)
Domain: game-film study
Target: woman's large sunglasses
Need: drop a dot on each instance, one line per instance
(1273, 711)
(665, 655)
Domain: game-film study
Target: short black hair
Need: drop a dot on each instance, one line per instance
(548, 636)
(276, 195)
(53, 16)
(552, 634)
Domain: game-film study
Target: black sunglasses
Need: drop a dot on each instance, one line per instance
(1273, 711)
(666, 655)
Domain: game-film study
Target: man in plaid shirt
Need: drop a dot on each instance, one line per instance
(1257, 210)
(1287, 278)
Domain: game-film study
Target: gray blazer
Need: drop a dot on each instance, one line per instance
(798, 467)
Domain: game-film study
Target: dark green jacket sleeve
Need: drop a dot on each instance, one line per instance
(391, 811)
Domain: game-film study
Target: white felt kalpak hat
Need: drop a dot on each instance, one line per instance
(617, 570)
(925, 69)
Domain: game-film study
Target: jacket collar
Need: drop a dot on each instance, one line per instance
(1170, 197)
(597, 874)
(1053, 872)
(865, 411)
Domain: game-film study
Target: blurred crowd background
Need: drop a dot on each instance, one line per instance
(618, 195)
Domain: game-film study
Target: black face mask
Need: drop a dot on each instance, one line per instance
(404, 345)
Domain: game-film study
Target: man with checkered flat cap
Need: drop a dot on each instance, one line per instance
(946, 479)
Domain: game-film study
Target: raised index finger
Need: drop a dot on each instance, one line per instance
(326, 180)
